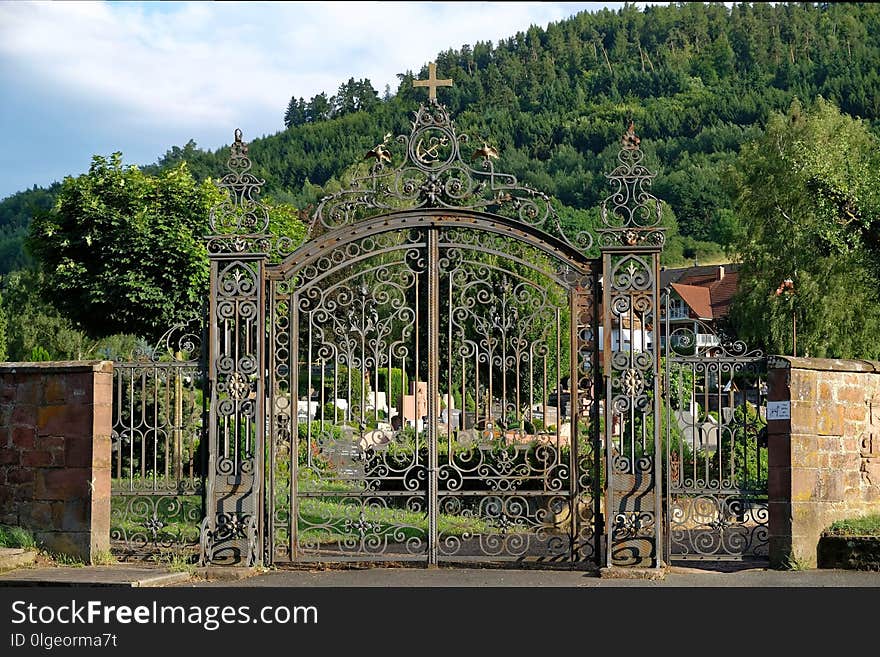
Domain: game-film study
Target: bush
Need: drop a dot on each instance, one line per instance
(398, 382)
(16, 537)
(862, 526)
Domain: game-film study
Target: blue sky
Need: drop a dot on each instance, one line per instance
(85, 78)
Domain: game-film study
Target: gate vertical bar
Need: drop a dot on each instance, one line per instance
(595, 432)
(232, 530)
(433, 390)
(272, 437)
(631, 242)
(575, 296)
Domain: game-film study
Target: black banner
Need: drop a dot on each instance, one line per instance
(281, 621)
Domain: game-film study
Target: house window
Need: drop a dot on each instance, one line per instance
(677, 308)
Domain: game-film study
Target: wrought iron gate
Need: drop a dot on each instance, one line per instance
(422, 379)
(158, 461)
(434, 421)
(421, 362)
(716, 443)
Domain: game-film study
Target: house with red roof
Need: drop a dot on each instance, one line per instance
(699, 299)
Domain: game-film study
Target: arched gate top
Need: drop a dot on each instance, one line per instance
(435, 169)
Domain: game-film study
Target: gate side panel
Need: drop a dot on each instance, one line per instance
(716, 446)
(632, 443)
(516, 475)
(358, 362)
(230, 533)
(158, 463)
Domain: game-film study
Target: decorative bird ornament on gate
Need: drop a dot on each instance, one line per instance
(379, 151)
(486, 152)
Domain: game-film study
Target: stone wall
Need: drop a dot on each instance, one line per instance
(55, 425)
(824, 463)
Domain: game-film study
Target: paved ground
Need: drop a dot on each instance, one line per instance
(92, 576)
(482, 577)
(125, 575)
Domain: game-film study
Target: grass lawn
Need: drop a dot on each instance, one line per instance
(864, 526)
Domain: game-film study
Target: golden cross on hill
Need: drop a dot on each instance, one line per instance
(432, 82)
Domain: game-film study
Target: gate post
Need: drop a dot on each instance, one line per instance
(238, 247)
(631, 241)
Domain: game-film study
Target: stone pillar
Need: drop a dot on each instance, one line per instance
(823, 459)
(55, 426)
(779, 467)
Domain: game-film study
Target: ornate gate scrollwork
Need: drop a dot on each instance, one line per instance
(716, 444)
(631, 240)
(432, 360)
(420, 380)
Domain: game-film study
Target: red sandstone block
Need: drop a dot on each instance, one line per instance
(855, 412)
(62, 484)
(779, 450)
(23, 491)
(103, 417)
(829, 419)
(19, 475)
(779, 483)
(78, 452)
(803, 417)
(777, 385)
(804, 484)
(55, 390)
(50, 442)
(9, 456)
(100, 485)
(851, 394)
(65, 421)
(75, 515)
(7, 391)
(80, 388)
(101, 453)
(36, 458)
(57, 456)
(23, 414)
(45, 515)
(803, 386)
(780, 518)
(23, 437)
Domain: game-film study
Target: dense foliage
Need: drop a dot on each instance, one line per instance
(98, 246)
(699, 80)
(809, 202)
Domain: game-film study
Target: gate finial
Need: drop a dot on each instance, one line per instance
(432, 82)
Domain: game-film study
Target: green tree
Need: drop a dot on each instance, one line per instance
(296, 112)
(121, 250)
(35, 327)
(808, 196)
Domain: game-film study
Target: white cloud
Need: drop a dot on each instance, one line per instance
(93, 77)
(200, 63)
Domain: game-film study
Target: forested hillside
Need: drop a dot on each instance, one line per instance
(698, 80)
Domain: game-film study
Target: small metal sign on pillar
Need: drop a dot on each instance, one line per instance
(631, 241)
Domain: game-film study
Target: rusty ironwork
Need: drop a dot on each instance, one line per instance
(715, 443)
(423, 346)
(631, 240)
(239, 249)
(158, 462)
